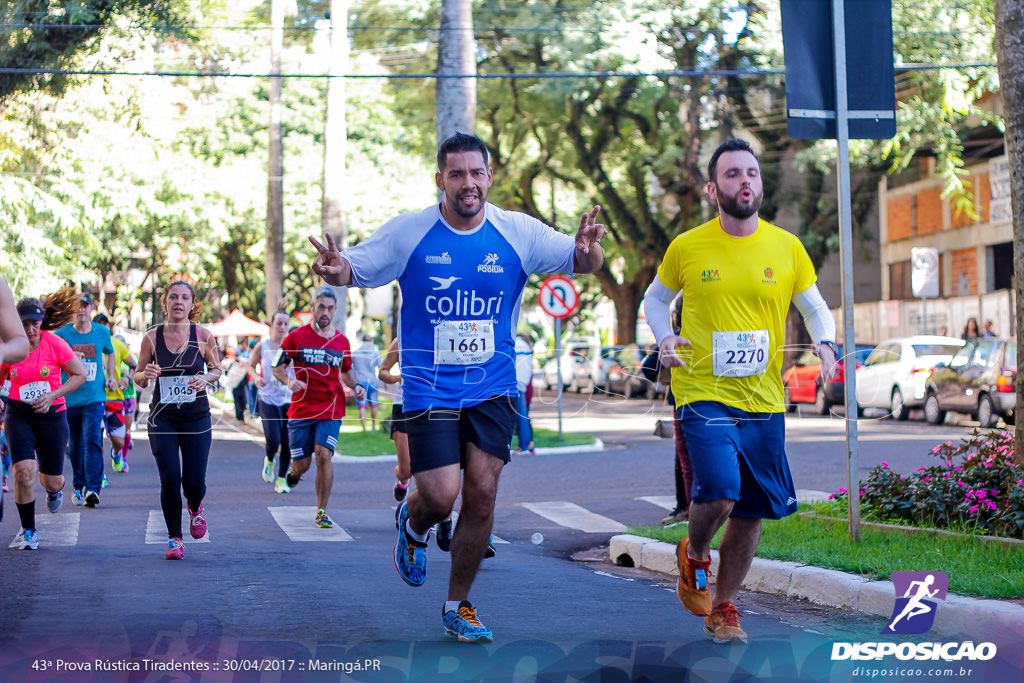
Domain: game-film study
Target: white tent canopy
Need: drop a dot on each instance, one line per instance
(238, 325)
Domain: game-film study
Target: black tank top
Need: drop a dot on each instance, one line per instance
(172, 399)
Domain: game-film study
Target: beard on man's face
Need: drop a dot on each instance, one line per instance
(739, 208)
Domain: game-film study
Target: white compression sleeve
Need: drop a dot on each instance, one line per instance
(657, 299)
(817, 316)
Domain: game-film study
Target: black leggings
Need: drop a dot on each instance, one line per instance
(186, 473)
(275, 432)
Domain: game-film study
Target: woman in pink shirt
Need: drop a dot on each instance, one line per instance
(36, 423)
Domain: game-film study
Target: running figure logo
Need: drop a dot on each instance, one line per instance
(914, 612)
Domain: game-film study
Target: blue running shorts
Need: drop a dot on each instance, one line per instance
(438, 436)
(370, 399)
(739, 456)
(303, 435)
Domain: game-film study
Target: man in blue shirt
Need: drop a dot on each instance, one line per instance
(86, 403)
(462, 265)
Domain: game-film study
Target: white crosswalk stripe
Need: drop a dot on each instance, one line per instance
(156, 530)
(56, 530)
(297, 522)
(573, 516)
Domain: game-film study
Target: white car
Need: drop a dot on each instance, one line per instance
(894, 375)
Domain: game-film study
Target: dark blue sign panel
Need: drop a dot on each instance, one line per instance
(810, 69)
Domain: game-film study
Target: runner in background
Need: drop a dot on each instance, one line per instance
(182, 361)
(113, 416)
(366, 362)
(274, 400)
(131, 408)
(403, 475)
(322, 361)
(87, 404)
(36, 421)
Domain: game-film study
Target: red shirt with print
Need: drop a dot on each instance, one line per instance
(318, 362)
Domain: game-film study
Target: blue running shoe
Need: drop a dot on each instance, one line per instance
(105, 482)
(78, 497)
(54, 501)
(30, 539)
(463, 625)
(410, 555)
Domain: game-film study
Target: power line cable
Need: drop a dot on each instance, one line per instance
(483, 76)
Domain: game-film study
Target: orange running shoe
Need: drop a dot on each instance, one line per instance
(723, 624)
(692, 587)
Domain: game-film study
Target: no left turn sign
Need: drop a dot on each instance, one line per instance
(558, 296)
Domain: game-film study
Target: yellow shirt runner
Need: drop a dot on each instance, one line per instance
(736, 295)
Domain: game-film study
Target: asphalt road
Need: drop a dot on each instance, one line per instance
(267, 597)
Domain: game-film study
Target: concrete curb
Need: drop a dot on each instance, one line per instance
(984, 620)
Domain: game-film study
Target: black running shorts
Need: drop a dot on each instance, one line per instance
(438, 436)
(43, 436)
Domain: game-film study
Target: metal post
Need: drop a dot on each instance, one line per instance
(924, 314)
(846, 253)
(558, 365)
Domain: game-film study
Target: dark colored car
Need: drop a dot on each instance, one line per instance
(626, 377)
(978, 381)
(802, 382)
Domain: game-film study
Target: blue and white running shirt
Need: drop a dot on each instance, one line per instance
(461, 291)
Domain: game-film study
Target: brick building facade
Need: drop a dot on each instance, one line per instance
(975, 252)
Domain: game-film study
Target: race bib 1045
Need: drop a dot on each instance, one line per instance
(176, 389)
(739, 354)
(463, 342)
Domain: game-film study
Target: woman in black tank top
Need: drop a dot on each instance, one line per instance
(181, 359)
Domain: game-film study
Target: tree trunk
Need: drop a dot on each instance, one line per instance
(1010, 54)
(456, 70)
(273, 255)
(335, 142)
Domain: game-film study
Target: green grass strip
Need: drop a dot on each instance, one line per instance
(974, 567)
(354, 441)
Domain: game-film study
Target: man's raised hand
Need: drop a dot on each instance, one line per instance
(328, 263)
(590, 232)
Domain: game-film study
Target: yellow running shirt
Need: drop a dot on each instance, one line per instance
(121, 352)
(736, 294)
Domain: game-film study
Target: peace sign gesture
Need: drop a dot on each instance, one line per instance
(328, 264)
(589, 256)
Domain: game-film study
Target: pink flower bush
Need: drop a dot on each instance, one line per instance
(975, 486)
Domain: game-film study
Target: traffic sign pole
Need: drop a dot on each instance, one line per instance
(846, 255)
(558, 298)
(558, 364)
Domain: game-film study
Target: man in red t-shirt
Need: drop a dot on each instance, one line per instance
(322, 360)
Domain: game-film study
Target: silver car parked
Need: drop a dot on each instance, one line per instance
(894, 375)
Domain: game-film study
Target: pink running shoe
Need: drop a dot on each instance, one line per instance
(196, 522)
(175, 549)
